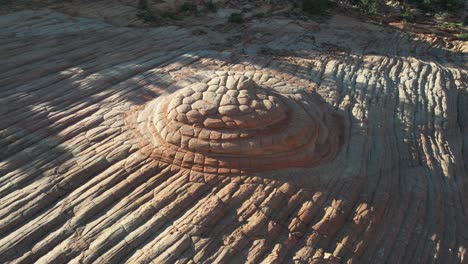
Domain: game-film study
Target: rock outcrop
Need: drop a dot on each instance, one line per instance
(235, 122)
(88, 176)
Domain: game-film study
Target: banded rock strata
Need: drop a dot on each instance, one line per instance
(76, 187)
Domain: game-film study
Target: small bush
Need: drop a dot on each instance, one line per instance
(315, 7)
(407, 15)
(188, 7)
(236, 18)
(463, 36)
(147, 16)
(439, 5)
(369, 7)
(210, 6)
(170, 15)
(259, 15)
(143, 4)
(199, 31)
(441, 16)
(452, 25)
(145, 12)
(6, 2)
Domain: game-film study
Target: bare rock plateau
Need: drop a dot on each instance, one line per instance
(278, 141)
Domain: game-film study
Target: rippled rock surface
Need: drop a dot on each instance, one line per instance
(338, 142)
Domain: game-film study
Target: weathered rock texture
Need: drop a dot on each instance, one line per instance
(77, 187)
(235, 122)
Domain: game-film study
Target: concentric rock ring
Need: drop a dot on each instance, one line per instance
(236, 123)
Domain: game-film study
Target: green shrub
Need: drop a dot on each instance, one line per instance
(210, 6)
(188, 7)
(438, 5)
(407, 15)
(5, 2)
(170, 15)
(463, 36)
(315, 7)
(147, 16)
(236, 18)
(142, 4)
(145, 12)
(451, 25)
(370, 7)
(259, 15)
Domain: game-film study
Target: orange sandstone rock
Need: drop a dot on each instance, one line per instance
(240, 122)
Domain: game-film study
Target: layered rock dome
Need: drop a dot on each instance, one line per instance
(233, 122)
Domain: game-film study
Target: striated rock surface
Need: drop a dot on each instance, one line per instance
(376, 120)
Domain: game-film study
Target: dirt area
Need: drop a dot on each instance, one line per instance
(139, 13)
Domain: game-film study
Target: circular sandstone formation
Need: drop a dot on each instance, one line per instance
(235, 123)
